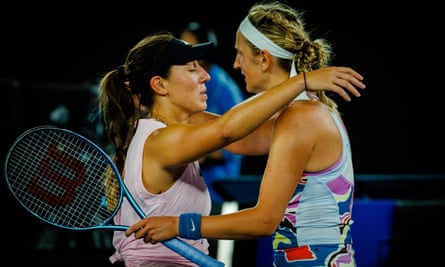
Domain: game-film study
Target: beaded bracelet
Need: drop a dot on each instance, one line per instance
(190, 225)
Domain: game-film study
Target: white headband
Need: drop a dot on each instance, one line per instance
(262, 42)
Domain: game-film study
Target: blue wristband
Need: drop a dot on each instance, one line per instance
(190, 225)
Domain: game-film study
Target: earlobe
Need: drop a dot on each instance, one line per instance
(265, 60)
(157, 84)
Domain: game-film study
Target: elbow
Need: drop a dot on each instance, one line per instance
(270, 229)
(229, 133)
(267, 227)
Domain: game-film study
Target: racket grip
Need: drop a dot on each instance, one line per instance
(192, 253)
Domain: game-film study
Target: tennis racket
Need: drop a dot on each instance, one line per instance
(68, 181)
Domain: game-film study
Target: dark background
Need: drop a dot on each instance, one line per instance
(395, 126)
(53, 54)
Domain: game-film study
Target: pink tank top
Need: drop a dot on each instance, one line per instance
(188, 194)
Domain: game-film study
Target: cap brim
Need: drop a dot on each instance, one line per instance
(186, 52)
(178, 52)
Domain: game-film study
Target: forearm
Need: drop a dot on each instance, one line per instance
(245, 224)
(259, 108)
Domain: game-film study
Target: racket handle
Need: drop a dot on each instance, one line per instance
(192, 253)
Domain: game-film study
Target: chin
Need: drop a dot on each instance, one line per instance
(253, 90)
(204, 106)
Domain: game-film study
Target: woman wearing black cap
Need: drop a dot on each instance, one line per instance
(154, 111)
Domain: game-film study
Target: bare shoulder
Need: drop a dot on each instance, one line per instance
(305, 112)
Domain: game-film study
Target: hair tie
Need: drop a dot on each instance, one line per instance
(305, 45)
(121, 77)
(120, 150)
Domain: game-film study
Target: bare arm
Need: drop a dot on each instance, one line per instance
(295, 137)
(256, 143)
(336, 79)
(287, 158)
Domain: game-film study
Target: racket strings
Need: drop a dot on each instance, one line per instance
(68, 181)
(63, 179)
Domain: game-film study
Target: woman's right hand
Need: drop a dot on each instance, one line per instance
(335, 79)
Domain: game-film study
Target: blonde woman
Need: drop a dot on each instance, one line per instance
(306, 195)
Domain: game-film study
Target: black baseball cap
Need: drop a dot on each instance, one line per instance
(179, 52)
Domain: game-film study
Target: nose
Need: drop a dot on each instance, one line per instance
(205, 75)
(236, 65)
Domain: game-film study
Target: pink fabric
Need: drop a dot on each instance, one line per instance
(188, 194)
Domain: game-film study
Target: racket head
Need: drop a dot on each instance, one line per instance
(63, 178)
